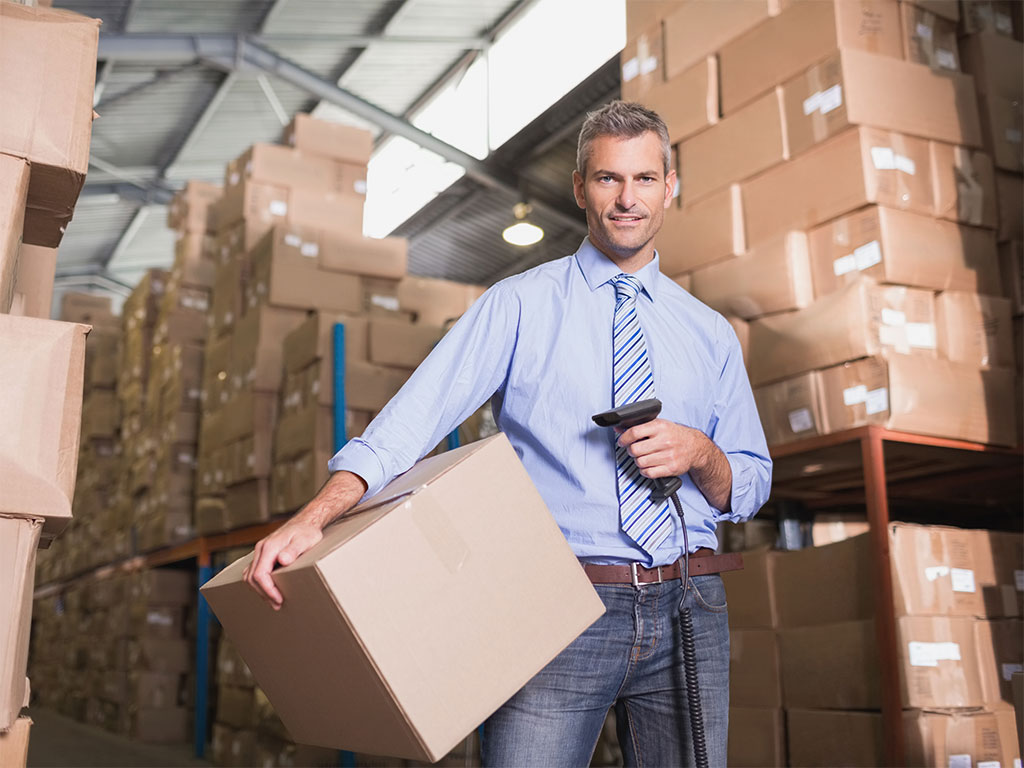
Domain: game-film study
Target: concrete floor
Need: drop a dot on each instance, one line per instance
(56, 741)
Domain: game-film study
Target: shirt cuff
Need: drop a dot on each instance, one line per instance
(357, 457)
(742, 478)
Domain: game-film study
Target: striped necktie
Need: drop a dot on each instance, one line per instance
(645, 523)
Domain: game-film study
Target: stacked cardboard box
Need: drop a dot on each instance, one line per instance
(822, 144)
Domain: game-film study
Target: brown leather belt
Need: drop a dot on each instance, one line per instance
(702, 562)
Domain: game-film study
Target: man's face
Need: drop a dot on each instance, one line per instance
(625, 193)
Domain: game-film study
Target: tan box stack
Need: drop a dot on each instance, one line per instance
(838, 141)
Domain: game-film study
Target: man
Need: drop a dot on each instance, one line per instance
(550, 347)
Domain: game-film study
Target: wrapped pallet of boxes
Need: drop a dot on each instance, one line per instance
(393, 688)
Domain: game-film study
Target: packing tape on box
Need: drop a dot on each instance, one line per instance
(440, 533)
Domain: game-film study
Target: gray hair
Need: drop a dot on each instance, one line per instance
(622, 120)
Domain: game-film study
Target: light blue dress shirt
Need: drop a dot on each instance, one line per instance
(539, 345)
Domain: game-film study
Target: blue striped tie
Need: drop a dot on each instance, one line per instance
(645, 523)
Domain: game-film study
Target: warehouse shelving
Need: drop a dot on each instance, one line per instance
(871, 466)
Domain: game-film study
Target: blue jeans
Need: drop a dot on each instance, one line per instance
(631, 659)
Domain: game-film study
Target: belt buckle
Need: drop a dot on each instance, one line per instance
(635, 576)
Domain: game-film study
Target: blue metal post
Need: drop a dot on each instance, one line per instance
(453, 439)
(202, 661)
(340, 438)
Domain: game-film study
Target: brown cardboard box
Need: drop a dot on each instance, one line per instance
(226, 299)
(1001, 124)
(47, 117)
(846, 89)
(754, 679)
(247, 413)
(748, 141)
(804, 33)
(928, 38)
(1000, 646)
(369, 387)
(956, 737)
(858, 167)
(33, 281)
(702, 233)
(41, 370)
(18, 541)
(1011, 266)
(860, 320)
(187, 211)
(751, 592)
(830, 527)
(14, 743)
(236, 706)
(469, 536)
(988, 16)
(643, 62)
(247, 503)
(231, 747)
(772, 277)
(262, 206)
(974, 329)
(822, 737)
(947, 9)
(334, 140)
(291, 168)
(924, 396)
(347, 251)
(994, 61)
(687, 102)
(641, 14)
(401, 344)
(1010, 198)
(842, 571)
(757, 737)
(936, 570)
(742, 330)
(308, 429)
(314, 340)
(791, 409)
(964, 185)
(14, 175)
(436, 301)
(258, 347)
(193, 264)
(1000, 573)
(902, 248)
(698, 29)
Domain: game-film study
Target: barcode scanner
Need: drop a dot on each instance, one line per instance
(625, 417)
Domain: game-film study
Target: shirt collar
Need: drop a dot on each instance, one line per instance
(598, 269)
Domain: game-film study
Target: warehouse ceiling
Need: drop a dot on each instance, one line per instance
(185, 86)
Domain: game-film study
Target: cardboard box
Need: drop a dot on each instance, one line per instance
(187, 210)
(748, 141)
(856, 168)
(314, 340)
(334, 140)
(924, 396)
(347, 251)
(247, 413)
(232, 747)
(821, 737)
(843, 571)
(41, 369)
(688, 101)
(772, 277)
(247, 503)
(18, 541)
(434, 301)
(469, 537)
(1010, 199)
(33, 281)
(742, 330)
(48, 116)
(754, 679)
(956, 737)
(857, 88)
(14, 743)
(1011, 267)
(1000, 645)
(757, 737)
(902, 248)
(862, 319)
(262, 206)
(791, 409)
(641, 14)
(308, 429)
(643, 62)
(998, 574)
(702, 233)
(974, 329)
(401, 344)
(830, 527)
(699, 29)
(804, 33)
(14, 176)
(993, 60)
(988, 16)
(964, 185)
(291, 168)
(257, 352)
(751, 592)
(369, 387)
(929, 38)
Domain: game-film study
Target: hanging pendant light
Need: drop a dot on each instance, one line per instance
(522, 232)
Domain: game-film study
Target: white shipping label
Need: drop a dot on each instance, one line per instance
(959, 761)
(877, 401)
(292, 240)
(278, 208)
(387, 302)
(312, 250)
(930, 654)
(1010, 669)
(630, 69)
(921, 335)
(936, 572)
(855, 395)
(893, 316)
(1018, 576)
(1013, 135)
(905, 164)
(924, 31)
(824, 101)
(158, 618)
(868, 255)
(359, 186)
(801, 420)
(1016, 762)
(1004, 23)
(648, 64)
(945, 59)
(962, 579)
(844, 264)
(989, 764)
(883, 158)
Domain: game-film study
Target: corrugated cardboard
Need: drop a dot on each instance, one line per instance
(842, 571)
(805, 32)
(947, 9)
(41, 370)
(247, 413)
(754, 678)
(348, 251)
(247, 503)
(993, 59)
(974, 329)
(14, 743)
(902, 248)
(401, 344)
(258, 347)
(262, 206)
(369, 387)
(964, 185)
(461, 521)
(830, 527)
(641, 14)
(314, 340)
(47, 117)
(791, 409)
(1011, 267)
(860, 320)
(989, 16)
(1010, 198)
(1000, 646)
(821, 737)
(922, 395)
(751, 592)
(858, 167)
(744, 143)
(643, 62)
(14, 175)
(687, 102)
(960, 737)
(291, 168)
(187, 211)
(33, 281)
(321, 137)
(704, 232)
(757, 737)
(772, 277)
(434, 301)
(857, 88)
(698, 29)
(18, 541)
(928, 38)
(999, 573)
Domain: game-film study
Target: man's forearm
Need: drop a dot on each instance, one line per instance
(713, 476)
(340, 493)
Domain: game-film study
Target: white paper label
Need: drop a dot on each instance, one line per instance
(648, 64)
(278, 208)
(883, 158)
(945, 59)
(359, 186)
(893, 316)
(1016, 762)
(233, 178)
(930, 654)
(855, 395)
(989, 764)
(312, 250)
(1009, 669)
(1013, 135)
(959, 761)
(824, 101)
(962, 579)
(924, 31)
(292, 240)
(868, 255)
(630, 69)
(936, 572)
(905, 164)
(1004, 24)
(158, 618)
(844, 264)
(800, 420)
(921, 335)
(877, 401)
(1018, 576)
(387, 302)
